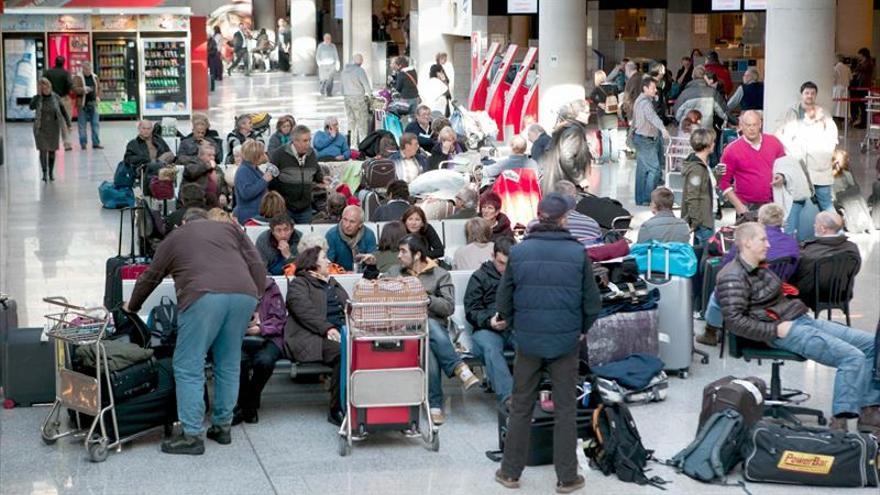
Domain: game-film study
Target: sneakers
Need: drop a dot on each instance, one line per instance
(709, 337)
(506, 482)
(220, 434)
(571, 486)
(183, 444)
(437, 416)
(869, 420)
(467, 377)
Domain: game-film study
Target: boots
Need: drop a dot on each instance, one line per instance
(51, 167)
(709, 337)
(869, 420)
(838, 424)
(43, 169)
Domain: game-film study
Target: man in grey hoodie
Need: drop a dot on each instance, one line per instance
(356, 88)
(328, 63)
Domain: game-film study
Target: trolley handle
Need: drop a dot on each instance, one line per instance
(63, 302)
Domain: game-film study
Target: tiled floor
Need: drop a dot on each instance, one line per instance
(54, 240)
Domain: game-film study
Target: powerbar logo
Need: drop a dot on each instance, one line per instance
(805, 463)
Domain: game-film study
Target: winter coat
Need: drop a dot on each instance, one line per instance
(796, 186)
(340, 253)
(480, 295)
(276, 141)
(811, 252)
(406, 82)
(697, 193)
(211, 180)
(701, 97)
(273, 314)
(548, 294)
(748, 296)
(250, 187)
(49, 116)
(295, 180)
(275, 261)
(811, 141)
(501, 228)
(328, 146)
(190, 147)
(438, 284)
(137, 153)
(79, 85)
(307, 323)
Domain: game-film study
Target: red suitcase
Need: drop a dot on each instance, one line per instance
(379, 355)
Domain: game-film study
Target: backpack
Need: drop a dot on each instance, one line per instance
(378, 173)
(617, 447)
(163, 321)
(715, 450)
(124, 175)
(370, 202)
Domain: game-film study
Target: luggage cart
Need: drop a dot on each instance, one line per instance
(872, 128)
(71, 327)
(677, 150)
(384, 388)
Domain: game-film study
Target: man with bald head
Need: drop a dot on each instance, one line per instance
(356, 89)
(829, 240)
(517, 159)
(349, 241)
(755, 308)
(146, 147)
(748, 177)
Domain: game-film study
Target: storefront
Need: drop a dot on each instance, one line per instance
(142, 58)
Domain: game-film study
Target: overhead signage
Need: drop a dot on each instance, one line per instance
(522, 6)
(726, 4)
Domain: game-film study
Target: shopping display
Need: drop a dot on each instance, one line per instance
(165, 77)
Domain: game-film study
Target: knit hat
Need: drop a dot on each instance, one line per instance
(554, 206)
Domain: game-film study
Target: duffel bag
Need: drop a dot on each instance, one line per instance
(615, 393)
(378, 303)
(115, 198)
(667, 258)
(810, 456)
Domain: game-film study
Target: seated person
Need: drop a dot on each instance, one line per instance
(540, 141)
(271, 206)
(191, 196)
(398, 203)
(389, 240)
(782, 245)
(829, 240)
(387, 147)
(755, 308)
(316, 319)
(251, 183)
(350, 238)
(583, 228)
(490, 210)
(201, 133)
(203, 170)
(146, 147)
(410, 161)
(416, 223)
(329, 144)
(479, 245)
(336, 202)
(283, 133)
(277, 245)
(446, 148)
(244, 130)
(664, 226)
(421, 128)
(517, 159)
(491, 337)
(465, 203)
(258, 361)
(414, 261)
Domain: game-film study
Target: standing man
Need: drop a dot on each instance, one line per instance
(548, 296)
(810, 135)
(328, 63)
(299, 173)
(748, 180)
(239, 47)
(88, 94)
(356, 89)
(62, 85)
(649, 133)
(215, 308)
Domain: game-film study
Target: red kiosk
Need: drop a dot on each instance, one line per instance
(498, 89)
(481, 83)
(513, 101)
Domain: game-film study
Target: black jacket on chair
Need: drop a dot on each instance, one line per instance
(479, 297)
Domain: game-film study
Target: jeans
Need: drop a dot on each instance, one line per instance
(850, 351)
(88, 115)
(713, 314)
(794, 217)
(256, 369)
(527, 371)
(607, 145)
(241, 57)
(215, 322)
(649, 162)
(489, 347)
(823, 197)
(443, 356)
(303, 217)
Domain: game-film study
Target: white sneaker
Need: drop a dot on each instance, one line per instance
(437, 416)
(467, 377)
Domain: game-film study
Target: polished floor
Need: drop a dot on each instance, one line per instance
(55, 238)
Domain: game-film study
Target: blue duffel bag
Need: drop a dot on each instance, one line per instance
(115, 197)
(124, 175)
(667, 258)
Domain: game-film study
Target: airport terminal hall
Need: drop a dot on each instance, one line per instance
(448, 247)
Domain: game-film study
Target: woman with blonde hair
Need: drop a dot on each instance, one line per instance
(250, 182)
(446, 148)
(49, 116)
(479, 246)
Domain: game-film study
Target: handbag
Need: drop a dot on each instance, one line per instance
(678, 258)
(161, 189)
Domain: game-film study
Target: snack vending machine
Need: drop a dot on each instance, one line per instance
(117, 68)
(165, 82)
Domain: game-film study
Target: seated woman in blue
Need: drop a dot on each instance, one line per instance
(277, 245)
(251, 183)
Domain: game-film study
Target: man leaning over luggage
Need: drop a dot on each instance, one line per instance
(215, 308)
(755, 308)
(549, 297)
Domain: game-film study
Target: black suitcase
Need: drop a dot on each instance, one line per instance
(541, 440)
(127, 383)
(144, 412)
(743, 395)
(121, 266)
(607, 212)
(8, 321)
(28, 367)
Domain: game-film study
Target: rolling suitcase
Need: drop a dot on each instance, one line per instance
(8, 321)
(541, 433)
(28, 367)
(675, 314)
(381, 355)
(615, 337)
(119, 267)
(744, 395)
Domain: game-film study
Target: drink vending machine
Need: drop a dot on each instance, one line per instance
(23, 61)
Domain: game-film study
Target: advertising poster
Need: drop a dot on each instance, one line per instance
(20, 66)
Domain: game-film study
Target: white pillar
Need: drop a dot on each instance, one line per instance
(426, 35)
(592, 40)
(855, 24)
(357, 28)
(562, 32)
(800, 47)
(303, 31)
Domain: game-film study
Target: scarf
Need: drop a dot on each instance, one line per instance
(352, 242)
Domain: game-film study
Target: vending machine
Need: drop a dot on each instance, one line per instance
(24, 59)
(165, 79)
(116, 63)
(74, 47)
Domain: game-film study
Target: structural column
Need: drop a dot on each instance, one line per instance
(357, 29)
(562, 32)
(426, 35)
(679, 33)
(800, 47)
(303, 30)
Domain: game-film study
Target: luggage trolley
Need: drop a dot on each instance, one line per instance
(677, 150)
(872, 127)
(77, 326)
(389, 393)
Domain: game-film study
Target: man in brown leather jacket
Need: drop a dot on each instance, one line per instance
(754, 307)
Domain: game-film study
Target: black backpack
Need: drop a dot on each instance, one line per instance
(618, 448)
(163, 321)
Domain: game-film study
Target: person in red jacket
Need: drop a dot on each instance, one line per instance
(714, 65)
